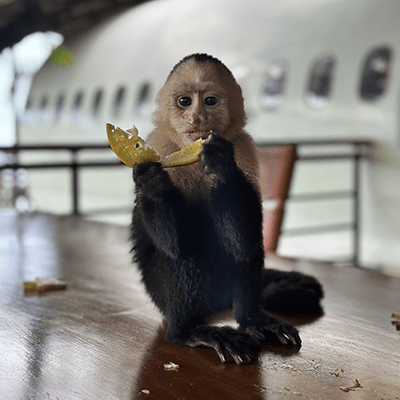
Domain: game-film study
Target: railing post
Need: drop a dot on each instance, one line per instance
(75, 182)
(356, 206)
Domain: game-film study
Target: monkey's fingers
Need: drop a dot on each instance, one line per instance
(219, 349)
(221, 339)
(286, 333)
(217, 158)
(238, 348)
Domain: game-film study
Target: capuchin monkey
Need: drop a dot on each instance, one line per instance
(197, 229)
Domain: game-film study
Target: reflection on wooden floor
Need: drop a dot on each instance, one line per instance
(103, 339)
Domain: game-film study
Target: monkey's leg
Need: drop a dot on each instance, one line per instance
(160, 211)
(249, 313)
(258, 324)
(235, 204)
(238, 218)
(187, 308)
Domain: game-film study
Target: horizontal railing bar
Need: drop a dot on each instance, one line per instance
(111, 210)
(61, 165)
(51, 147)
(327, 157)
(345, 259)
(322, 196)
(312, 142)
(339, 261)
(89, 146)
(104, 164)
(317, 229)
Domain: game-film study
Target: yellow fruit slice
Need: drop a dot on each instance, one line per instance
(129, 147)
(188, 155)
(40, 285)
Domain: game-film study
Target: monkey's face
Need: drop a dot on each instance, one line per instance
(198, 103)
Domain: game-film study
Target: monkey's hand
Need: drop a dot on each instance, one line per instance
(222, 339)
(157, 204)
(217, 158)
(260, 325)
(151, 180)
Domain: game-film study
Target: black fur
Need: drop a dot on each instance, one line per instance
(291, 292)
(198, 258)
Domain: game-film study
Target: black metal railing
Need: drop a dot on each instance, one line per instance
(74, 165)
(360, 150)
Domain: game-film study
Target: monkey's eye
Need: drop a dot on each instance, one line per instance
(210, 101)
(184, 101)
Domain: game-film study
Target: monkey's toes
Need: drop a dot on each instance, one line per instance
(223, 339)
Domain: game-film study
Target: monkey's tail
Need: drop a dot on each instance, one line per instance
(291, 292)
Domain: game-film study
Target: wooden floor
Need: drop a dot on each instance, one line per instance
(102, 338)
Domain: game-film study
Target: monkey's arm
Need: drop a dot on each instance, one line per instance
(238, 216)
(156, 203)
(236, 204)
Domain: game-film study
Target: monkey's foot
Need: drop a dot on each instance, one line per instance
(223, 339)
(259, 326)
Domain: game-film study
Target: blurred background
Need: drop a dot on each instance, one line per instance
(321, 75)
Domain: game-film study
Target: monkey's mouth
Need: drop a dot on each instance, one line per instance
(195, 135)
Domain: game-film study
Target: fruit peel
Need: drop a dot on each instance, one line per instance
(131, 149)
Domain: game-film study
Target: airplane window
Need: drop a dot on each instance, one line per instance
(28, 111)
(320, 83)
(59, 107)
(118, 102)
(97, 101)
(42, 108)
(77, 106)
(272, 95)
(143, 101)
(375, 73)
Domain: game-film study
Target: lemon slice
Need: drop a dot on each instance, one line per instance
(188, 155)
(131, 149)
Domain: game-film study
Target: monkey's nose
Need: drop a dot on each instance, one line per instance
(195, 119)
